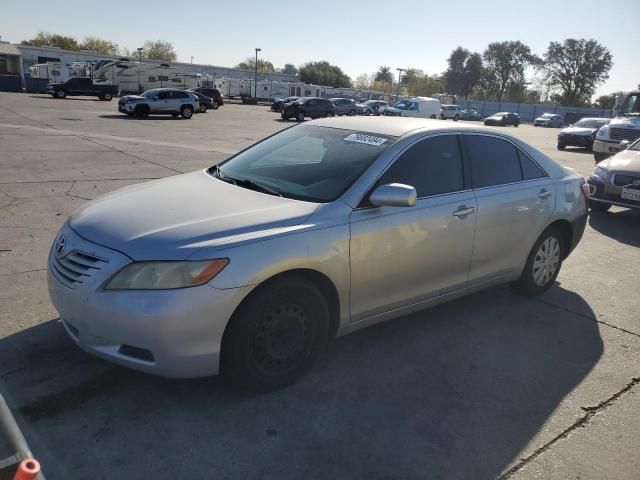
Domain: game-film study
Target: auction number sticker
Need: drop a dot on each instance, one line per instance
(366, 139)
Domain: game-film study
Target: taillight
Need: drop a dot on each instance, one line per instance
(586, 191)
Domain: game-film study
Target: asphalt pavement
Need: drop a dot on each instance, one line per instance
(490, 386)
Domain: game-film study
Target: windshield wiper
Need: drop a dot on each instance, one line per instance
(250, 184)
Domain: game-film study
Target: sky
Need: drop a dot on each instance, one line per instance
(358, 36)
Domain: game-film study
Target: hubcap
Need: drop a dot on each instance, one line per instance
(282, 339)
(546, 261)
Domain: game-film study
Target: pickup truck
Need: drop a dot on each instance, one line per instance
(82, 86)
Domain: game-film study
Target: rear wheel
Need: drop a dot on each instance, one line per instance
(276, 334)
(599, 206)
(215, 105)
(186, 111)
(352, 113)
(61, 94)
(543, 264)
(107, 96)
(433, 117)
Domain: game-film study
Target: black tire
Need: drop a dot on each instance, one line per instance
(599, 206)
(541, 271)
(215, 105)
(299, 116)
(203, 108)
(276, 334)
(561, 146)
(186, 112)
(456, 118)
(598, 156)
(61, 94)
(352, 113)
(141, 111)
(516, 125)
(107, 96)
(433, 117)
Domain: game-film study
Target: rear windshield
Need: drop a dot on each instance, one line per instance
(589, 123)
(310, 163)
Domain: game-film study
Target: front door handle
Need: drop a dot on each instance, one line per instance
(463, 211)
(544, 193)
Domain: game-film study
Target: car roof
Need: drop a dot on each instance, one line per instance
(396, 126)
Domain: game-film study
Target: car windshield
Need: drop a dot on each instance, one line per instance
(547, 115)
(149, 93)
(309, 163)
(405, 105)
(631, 106)
(499, 114)
(589, 123)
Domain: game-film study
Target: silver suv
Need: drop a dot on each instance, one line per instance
(161, 101)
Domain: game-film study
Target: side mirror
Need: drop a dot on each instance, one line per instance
(393, 195)
(624, 144)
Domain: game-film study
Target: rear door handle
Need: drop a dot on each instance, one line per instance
(544, 193)
(464, 211)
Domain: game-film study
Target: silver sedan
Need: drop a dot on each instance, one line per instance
(252, 266)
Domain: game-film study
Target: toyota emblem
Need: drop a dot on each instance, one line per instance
(60, 244)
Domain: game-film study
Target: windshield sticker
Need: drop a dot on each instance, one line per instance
(366, 139)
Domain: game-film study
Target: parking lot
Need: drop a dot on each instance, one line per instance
(492, 385)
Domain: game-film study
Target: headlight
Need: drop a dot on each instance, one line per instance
(165, 275)
(603, 132)
(601, 173)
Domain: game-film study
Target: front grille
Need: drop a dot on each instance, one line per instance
(76, 267)
(622, 180)
(624, 134)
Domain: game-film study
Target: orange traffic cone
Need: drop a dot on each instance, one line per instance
(27, 470)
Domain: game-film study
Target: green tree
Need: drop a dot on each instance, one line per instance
(464, 72)
(383, 75)
(250, 64)
(364, 82)
(99, 45)
(607, 101)
(289, 69)
(575, 68)
(504, 64)
(46, 39)
(323, 73)
(158, 50)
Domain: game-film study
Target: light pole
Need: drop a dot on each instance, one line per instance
(192, 59)
(140, 49)
(255, 76)
(400, 70)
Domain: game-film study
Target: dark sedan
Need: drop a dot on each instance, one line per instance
(503, 119)
(581, 134)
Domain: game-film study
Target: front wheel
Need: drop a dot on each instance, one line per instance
(299, 116)
(352, 113)
(276, 334)
(186, 111)
(456, 118)
(543, 264)
(433, 117)
(516, 125)
(61, 94)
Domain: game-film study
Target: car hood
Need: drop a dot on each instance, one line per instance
(625, 122)
(133, 97)
(172, 218)
(625, 161)
(579, 131)
(540, 119)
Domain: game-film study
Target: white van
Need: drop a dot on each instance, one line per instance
(415, 107)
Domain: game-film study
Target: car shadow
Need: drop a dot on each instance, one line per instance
(620, 225)
(122, 116)
(457, 391)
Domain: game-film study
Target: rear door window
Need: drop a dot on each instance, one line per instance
(530, 169)
(494, 161)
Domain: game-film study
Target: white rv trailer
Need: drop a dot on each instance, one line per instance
(133, 77)
(54, 72)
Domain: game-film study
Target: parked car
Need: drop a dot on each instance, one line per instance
(344, 106)
(548, 120)
(415, 107)
(313, 107)
(471, 115)
(80, 86)
(213, 93)
(278, 103)
(372, 107)
(252, 266)
(616, 180)
(205, 102)
(503, 119)
(581, 134)
(160, 101)
(451, 112)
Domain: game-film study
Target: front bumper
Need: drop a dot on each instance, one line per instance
(606, 192)
(606, 146)
(172, 333)
(575, 140)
